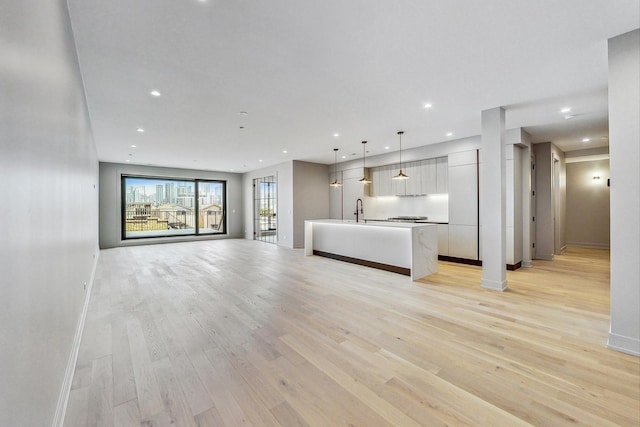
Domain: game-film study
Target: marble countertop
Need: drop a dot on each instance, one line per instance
(371, 223)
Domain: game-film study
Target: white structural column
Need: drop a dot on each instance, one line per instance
(493, 200)
(624, 149)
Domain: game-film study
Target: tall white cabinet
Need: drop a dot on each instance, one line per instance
(463, 204)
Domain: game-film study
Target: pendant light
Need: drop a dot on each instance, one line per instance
(365, 179)
(335, 182)
(400, 175)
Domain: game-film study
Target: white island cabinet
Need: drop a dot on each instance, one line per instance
(409, 249)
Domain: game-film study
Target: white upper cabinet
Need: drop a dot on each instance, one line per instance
(428, 177)
(425, 177)
(442, 175)
(413, 185)
(382, 181)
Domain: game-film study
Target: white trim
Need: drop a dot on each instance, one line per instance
(589, 245)
(624, 344)
(65, 390)
(494, 285)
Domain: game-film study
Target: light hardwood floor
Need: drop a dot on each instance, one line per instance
(237, 332)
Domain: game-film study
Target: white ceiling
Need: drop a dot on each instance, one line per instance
(304, 70)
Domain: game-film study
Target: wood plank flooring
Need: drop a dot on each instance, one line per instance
(243, 333)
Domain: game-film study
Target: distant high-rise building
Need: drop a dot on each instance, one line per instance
(171, 193)
(160, 193)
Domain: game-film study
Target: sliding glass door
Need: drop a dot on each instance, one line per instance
(162, 207)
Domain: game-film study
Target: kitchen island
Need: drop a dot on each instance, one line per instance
(406, 248)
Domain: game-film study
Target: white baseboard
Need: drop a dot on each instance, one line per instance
(65, 390)
(624, 344)
(589, 245)
(494, 285)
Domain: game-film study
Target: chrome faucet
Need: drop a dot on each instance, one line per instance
(358, 212)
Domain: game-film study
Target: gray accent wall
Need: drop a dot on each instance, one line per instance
(311, 196)
(49, 209)
(110, 202)
(588, 204)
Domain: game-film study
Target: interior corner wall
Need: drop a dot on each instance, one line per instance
(111, 202)
(547, 239)
(310, 196)
(284, 174)
(49, 212)
(624, 150)
(588, 204)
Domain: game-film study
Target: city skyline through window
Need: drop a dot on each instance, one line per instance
(160, 207)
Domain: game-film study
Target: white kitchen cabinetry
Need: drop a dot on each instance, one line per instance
(463, 195)
(463, 205)
(443, 239)
(382, 183)
(428, 176)
(425, 177)
(442, 175)
(463, 241)
(413, 185)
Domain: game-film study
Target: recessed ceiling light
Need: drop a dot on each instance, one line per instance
(155, 93)
(140, 130)
(387, 147)
(565, 110)
(344, 157)
(335, 135)
(428, 105)
(284, 151)
(449, 133)
(260, 160)
(127, 160)
(568, 117)
(133, 146)
(585, 140)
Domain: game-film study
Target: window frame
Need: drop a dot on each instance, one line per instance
(195, 182)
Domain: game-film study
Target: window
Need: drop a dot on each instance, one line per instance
(161, 207)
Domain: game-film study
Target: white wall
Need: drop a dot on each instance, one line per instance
(49, 208)
(624, 148)
(303, 193)
(588, 204)
(111, 202)
(284, 174)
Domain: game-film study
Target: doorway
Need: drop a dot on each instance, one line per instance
(556, 204)
(265, 202)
